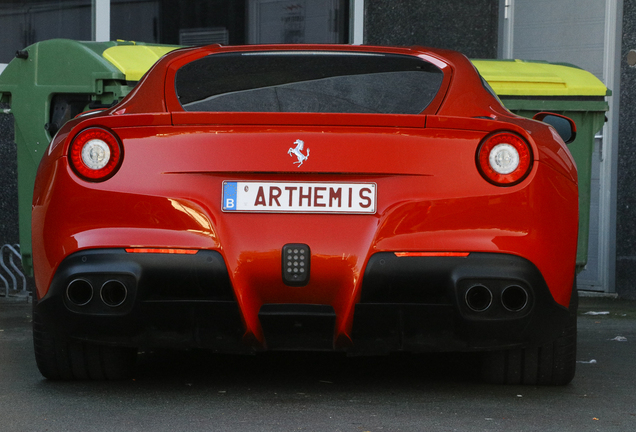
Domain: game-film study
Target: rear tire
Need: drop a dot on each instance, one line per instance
(59, 359)
(550, 364)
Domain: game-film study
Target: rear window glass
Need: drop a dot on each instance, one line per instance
(311, 82)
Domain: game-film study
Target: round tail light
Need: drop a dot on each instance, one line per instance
(95, 154)
(504, 158)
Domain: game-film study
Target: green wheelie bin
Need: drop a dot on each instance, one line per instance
(50, 82)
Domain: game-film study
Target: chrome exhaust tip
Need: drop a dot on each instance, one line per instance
(514, 298)
(113, 293)
(478, 298)
(79, 292)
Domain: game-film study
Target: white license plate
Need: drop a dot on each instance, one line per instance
(299, 197)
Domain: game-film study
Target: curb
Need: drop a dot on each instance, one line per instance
(20, 297)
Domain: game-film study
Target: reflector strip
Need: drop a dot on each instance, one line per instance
(162, 251)
(432, 254)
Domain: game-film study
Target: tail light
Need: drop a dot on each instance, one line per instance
(504, 158)
(432, 254)
(95, 154)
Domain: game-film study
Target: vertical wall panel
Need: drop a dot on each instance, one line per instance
(626, 190)
(469, 26)
(570, 31)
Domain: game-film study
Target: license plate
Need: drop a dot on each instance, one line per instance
(299, 197)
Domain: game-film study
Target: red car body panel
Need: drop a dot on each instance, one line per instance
(431, 196)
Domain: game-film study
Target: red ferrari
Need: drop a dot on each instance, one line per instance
(359, 199)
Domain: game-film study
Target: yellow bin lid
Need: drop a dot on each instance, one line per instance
(506, 77)
(527, 78)
(135, 60)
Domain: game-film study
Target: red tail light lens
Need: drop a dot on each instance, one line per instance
(95, 154)
(504, 158)
(432, 254)
(162, 251)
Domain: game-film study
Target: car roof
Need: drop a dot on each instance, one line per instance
(464, 96)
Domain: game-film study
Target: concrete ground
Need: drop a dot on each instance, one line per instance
(198, 391)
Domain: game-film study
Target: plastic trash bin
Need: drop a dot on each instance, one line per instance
(52, 81)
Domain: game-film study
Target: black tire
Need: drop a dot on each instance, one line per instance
(72, 360)
(550, 364)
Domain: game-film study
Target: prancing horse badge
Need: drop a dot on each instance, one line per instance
(298, 152)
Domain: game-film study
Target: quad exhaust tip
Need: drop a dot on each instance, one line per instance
(479, 298)
(80, 292)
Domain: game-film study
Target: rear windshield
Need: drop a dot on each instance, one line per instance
(309, 82)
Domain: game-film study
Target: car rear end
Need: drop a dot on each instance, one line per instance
(312, 199)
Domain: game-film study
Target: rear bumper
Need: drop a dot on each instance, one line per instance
(406, 304)
(424, 304)
(178, 301)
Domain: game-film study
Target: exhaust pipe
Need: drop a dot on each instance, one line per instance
(113, 293)
(478, 298)
(79, 292)
(514, 298)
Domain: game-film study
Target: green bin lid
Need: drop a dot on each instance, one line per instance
(531, 78)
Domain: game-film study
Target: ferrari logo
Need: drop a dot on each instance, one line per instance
(298, 152)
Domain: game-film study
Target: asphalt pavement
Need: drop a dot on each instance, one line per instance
(200, 391)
